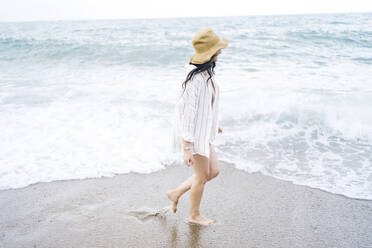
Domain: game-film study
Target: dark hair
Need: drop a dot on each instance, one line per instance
(207, 66)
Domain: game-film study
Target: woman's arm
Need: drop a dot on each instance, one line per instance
(186, 143)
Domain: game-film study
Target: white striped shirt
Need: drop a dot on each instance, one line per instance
(195, 119)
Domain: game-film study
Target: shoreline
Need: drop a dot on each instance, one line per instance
(167, 166)
(251, 210)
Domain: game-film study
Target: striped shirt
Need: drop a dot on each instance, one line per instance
(196, 119)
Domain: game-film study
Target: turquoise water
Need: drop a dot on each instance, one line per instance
(85, 99)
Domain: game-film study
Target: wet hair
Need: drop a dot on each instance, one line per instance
(207, 66)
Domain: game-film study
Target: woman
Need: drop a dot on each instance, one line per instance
(196, 122)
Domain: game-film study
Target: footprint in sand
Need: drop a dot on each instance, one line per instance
(144, 213)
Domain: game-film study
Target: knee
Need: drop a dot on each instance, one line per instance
(201, 180)
(213, 175)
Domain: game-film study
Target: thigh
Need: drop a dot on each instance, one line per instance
(213, 160)
(201, 166)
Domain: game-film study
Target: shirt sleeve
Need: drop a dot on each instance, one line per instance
(191, 98)
(219, 113)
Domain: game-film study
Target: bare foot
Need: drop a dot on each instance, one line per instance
(201, 220)
(173, 196)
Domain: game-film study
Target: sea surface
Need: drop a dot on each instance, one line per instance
(84, 99)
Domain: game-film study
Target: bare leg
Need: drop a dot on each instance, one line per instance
(176, 193)
(201, 169)
(214, 168)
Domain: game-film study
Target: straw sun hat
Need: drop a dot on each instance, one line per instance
(206, 43)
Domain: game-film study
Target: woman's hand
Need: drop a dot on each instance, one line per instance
(188, 157)
(219, 130)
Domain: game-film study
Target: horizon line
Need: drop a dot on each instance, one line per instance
(185, 17)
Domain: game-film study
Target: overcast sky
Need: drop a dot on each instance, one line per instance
(33, 10)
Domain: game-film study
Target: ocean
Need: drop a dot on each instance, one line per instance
(87, 99)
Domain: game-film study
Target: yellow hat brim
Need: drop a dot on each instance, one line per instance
(201, 58)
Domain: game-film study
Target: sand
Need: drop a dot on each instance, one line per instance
(251, 210)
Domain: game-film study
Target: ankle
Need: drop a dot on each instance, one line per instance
(194, 216)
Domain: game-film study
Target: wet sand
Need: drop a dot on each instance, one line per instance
(251, 210)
